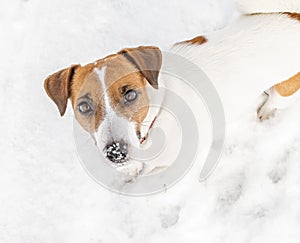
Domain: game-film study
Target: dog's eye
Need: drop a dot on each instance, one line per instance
(130, 96)
(85, 108)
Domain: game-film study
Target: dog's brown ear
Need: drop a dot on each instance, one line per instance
(57, 87)
(147, 59)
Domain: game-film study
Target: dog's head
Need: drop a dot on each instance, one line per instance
(110, 98)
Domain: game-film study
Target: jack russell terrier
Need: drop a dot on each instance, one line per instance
(257, 55)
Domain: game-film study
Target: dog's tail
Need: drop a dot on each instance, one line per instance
(268, 6)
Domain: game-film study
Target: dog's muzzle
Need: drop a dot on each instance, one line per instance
(116, 152)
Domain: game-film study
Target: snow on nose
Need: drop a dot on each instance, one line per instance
(116, 153)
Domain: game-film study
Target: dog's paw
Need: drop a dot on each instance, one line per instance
(265, 112)
(131, 170)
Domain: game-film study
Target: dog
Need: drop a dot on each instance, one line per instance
(255, 56)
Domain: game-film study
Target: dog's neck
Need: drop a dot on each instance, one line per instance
(156, 97)
(168, 121)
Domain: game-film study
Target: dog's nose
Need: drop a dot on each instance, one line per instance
(116, 152)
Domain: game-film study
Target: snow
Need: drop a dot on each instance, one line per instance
(46, 196)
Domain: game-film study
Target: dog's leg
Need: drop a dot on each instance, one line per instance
(267, 109)
(279, 96)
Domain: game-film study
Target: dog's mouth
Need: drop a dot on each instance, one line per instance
(117, 152)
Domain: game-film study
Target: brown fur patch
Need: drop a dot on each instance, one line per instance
(294, 16)
(131, 68)
(86, 84)
(120, 76)
(147, 60)
(57, 87)
(199, 40)
(289, 87)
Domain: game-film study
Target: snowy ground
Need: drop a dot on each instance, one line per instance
(46, 196)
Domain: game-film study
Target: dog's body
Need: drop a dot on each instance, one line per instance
(248, 57)
(257, 53)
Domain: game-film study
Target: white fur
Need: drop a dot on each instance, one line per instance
(268, 6)
(156, 97)
(242, 60)
(113, 127)
(172, 130)
(274, 101)
(248, 57)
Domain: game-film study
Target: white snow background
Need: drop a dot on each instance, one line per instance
(45, 194)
